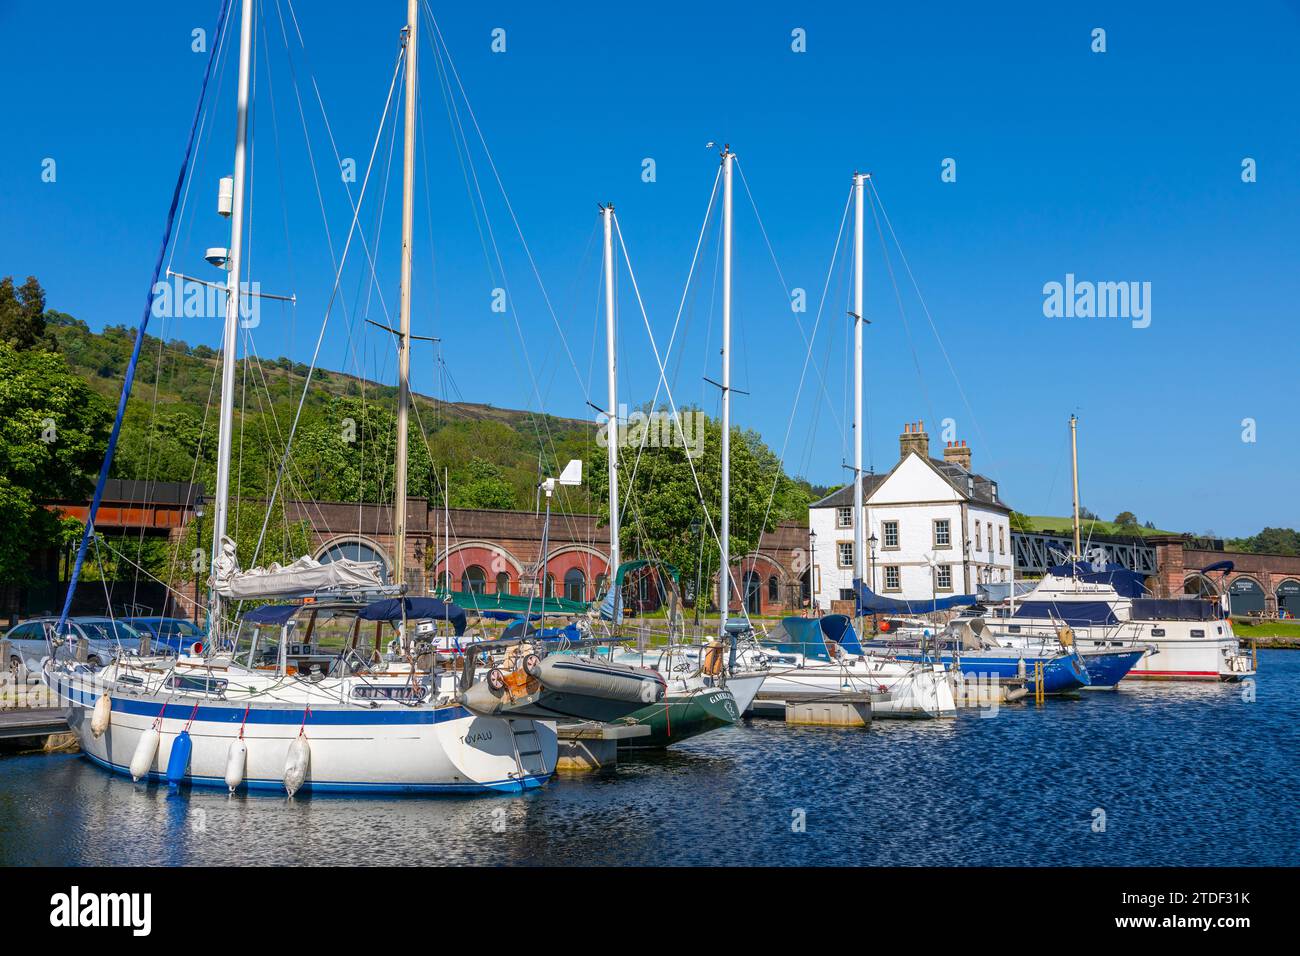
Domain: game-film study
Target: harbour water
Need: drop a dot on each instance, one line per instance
(1179, 774)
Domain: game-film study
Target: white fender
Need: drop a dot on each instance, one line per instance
(297, 764)
(145, 751)
(236, 760)
(103, 714)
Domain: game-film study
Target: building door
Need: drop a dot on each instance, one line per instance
(753, 591)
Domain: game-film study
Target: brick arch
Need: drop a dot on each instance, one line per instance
(492, 558)
(362, 539)
(764, 566)
(1208, 584)
(588, 560)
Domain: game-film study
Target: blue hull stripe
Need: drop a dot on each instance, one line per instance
(233, 713)
(531, 782)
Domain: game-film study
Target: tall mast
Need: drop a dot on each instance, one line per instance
(1074, 456)
(404, 329)
(611, 361)
(859, 512)
(226, 417)
(724, 570)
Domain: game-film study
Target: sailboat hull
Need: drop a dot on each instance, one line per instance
(680, 716)
(411, 750)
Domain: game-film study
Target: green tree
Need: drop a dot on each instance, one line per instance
(480, 484)
(663, 501)
(53, 429)
(22, 313)
(1126, 519)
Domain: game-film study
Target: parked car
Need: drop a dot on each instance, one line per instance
(174, 633)
(107, 637)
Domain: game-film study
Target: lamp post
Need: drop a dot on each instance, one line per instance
(812, 571)
(695, 530)
(200, 506)
(871, 566)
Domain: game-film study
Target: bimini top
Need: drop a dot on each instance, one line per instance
(417, 609)
(271, 613)
(1073, 613)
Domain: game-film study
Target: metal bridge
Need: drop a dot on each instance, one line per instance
(1036, 551)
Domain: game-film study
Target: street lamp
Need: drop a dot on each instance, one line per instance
(200, 506)
(812, 570)
(871, 565)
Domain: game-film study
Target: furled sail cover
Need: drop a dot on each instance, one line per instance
(869, 602)
(304, 576)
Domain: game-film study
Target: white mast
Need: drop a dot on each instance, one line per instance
(859, 512)
(724, 574)
(226, 417)
(404, 329)
(611, 360)
(1074, 456)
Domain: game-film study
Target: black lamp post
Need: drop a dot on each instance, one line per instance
(871, 564)
(695, 530)
(200, 506)
(812, 570)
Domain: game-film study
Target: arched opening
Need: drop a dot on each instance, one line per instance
(474, 580)
(550, 585)
(602, 581)
(356, 551)
(1199, 585)
(773, 589)
(575, 585)
(752, 589)
(1288, 598)
(1245, 596)
(503, 583)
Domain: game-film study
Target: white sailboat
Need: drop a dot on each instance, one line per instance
(818, 663)
(211, 720)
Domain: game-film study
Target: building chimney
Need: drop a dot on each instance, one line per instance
(914, 439)
(957, 453)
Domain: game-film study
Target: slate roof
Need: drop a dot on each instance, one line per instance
(970, 485)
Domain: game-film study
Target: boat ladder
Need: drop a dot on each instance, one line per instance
(528, 749)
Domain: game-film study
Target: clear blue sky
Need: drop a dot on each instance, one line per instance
(1121, 166)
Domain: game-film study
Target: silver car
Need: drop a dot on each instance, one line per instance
(29, 642)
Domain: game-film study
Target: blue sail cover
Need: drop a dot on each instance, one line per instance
(869, 602)
(1126, 583)
(1074, 613)
(417, 608)
(838, 628)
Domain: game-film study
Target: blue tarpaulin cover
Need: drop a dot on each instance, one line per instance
(869, 602)
(1125, 582)
(417, 608)
(1074, 613)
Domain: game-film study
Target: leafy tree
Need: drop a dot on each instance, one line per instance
(52, 432)
(482, 485)
(1126, 519)
(663, 501)
(1270, 541)
(22, 313)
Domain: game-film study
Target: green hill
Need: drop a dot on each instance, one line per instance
(1049, 523)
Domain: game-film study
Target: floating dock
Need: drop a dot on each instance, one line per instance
(585, 746)
(816, 709)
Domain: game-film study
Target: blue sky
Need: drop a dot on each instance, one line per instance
(1117, 166)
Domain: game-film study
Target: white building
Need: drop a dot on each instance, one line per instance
(933, 528)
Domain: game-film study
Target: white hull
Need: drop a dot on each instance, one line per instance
(385, 749)
(1177, 650)
(914, 690)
